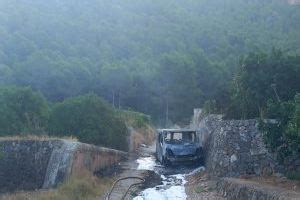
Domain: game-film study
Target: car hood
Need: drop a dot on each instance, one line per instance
(183, 149)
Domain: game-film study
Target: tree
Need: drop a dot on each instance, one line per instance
(283, 136)
(261, 78)
(22, 111)
(90, 119)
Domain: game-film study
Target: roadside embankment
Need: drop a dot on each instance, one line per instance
(41, 164)
(140, 136)
(236, 189)
(141, 131)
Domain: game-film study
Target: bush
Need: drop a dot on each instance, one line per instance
(283, 137)
(293, 175)
(89, 119)
(210, 107)
(134, 119)
(22, 111)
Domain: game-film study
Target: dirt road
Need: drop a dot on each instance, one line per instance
(160, 182)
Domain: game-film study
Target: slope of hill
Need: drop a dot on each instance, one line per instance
(148, 55)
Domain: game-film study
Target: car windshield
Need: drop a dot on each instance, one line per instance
(180, 137)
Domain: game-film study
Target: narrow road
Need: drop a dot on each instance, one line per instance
(173, 179)
(161, 183)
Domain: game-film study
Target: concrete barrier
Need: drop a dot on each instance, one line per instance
(41, 164)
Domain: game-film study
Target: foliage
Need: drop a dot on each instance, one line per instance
(262, 78)
(22, 111)
(161, 58)
(293, 175)
(25, 114)
(210, 107)
(134, 119)
(283, 136)
(199, 189)
(89, 119)
(157, 57)
(292, 132)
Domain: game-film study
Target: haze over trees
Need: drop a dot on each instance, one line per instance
(162, 58)
(146, 55)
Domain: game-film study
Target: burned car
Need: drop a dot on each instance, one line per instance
(178, 145)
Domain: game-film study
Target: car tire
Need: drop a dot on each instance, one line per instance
(200, 161)
(166, 162)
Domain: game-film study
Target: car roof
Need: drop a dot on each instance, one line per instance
(176, 130)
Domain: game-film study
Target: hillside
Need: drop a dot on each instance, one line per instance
(152, 56)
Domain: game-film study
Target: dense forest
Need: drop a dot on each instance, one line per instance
(162, 58)
(70, 67)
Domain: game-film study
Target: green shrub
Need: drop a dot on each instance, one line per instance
(22, 111)
(293, 175)
(90, 119)
(134, 119)
(199, 189)
(210, 107)
(283, 137)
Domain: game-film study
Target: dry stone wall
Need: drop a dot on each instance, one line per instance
(234, 147)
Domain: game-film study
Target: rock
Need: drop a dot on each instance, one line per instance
(233, 158)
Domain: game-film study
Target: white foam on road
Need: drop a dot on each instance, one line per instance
(146, 163)
(172, 189)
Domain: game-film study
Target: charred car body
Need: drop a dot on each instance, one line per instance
(178, 145)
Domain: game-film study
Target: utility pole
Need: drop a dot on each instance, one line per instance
(167, 112)
(119, 103)
(113, 98)
(273, 86)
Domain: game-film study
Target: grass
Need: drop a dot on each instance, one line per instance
(87, 188)
(134, 119)
(199, 189)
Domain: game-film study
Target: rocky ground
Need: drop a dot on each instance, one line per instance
(200, 186)
(266, 188)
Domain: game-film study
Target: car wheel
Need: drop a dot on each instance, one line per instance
(200, 161)
(166, 162)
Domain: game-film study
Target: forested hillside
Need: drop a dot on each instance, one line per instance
(153, 56)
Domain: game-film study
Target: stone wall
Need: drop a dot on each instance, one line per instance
(37, 164)
(23, 164)
(91, 158)
(234, 147)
